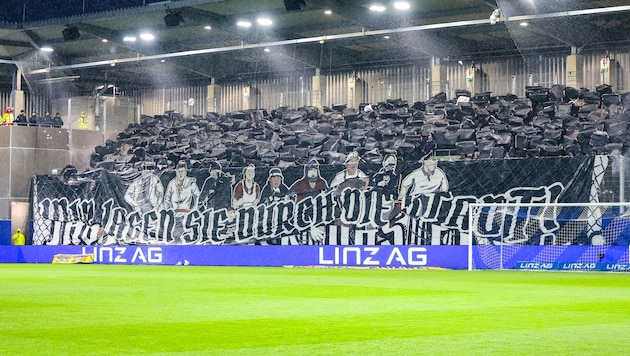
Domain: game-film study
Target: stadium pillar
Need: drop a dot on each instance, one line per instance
(473, 77)
(355, 92)
(17, 95)
(17, 101)
(608, 69)
(318, 83)
(214, 98)
(438, 77)
(575, 71)
(250, 97)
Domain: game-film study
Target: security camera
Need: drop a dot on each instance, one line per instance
(495, 17)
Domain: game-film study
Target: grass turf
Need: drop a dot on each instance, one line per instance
(171, 310)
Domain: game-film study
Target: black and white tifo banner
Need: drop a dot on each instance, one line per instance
(396, 203)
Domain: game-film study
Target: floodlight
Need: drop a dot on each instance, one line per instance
(377, 8)
(147, 36)
(264, 21)
(401, 5)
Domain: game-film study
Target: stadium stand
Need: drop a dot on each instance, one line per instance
(556, 121)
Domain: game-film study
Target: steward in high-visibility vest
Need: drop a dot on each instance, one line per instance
(83, 121)
(18, 238)
(7, 117)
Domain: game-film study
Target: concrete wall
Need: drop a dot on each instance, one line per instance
(117, 114)
(29, 151)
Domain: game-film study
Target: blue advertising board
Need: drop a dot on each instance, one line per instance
(453, 257)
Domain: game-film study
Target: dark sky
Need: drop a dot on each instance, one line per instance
(37, 10)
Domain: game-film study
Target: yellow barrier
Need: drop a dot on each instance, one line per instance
(73, 258)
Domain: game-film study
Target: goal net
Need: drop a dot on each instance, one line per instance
(552, 236)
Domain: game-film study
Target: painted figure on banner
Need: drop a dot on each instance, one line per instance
(311, 184)
(216, 189)
(351, 176)
(145, 193)
(427, 179)
(182, 191)
(387, 182)
(275, 190)
(246, 191)
(181, 196)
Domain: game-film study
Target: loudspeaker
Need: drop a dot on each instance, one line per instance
(294, 5)
(71, 33)
(173, 19)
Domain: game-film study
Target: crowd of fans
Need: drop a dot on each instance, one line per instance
(556, 121)
(34, 120)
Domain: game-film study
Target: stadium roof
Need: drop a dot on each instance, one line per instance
(190, 42)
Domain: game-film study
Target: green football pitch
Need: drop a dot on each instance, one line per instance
(186, 310)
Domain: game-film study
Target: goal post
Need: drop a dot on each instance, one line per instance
(549, 236)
